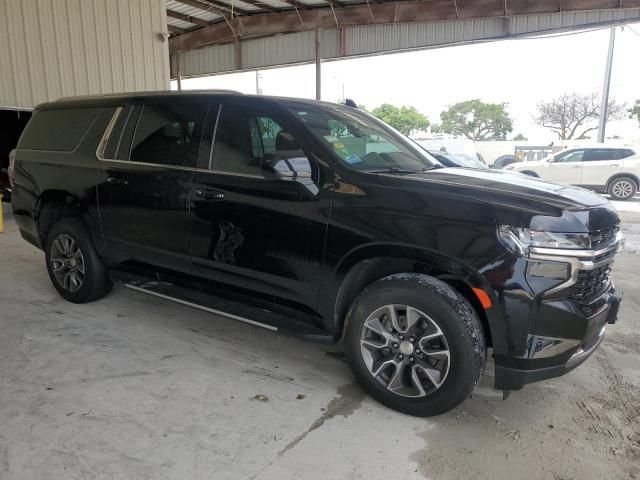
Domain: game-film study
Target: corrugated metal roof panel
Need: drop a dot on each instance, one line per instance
(379, 38)
(554, 21)
(79, 47)
(201, 61)
(192, 11)
(174, 22)
(241, 5)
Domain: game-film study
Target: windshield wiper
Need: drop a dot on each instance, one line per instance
(394, 170)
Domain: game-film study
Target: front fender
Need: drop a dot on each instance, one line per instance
(367, 263)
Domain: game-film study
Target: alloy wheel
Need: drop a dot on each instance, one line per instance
(405, 350)
(622, 189)
(67, 263)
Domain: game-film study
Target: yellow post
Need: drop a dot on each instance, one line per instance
(1, 224)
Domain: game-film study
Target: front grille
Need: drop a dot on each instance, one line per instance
(601, 238)
(590, 284)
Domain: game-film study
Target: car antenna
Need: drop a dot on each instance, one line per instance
(350, 103)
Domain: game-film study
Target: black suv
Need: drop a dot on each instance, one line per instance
(318, 220)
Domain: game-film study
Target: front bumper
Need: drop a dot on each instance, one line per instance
(550, 357)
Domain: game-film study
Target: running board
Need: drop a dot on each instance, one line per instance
(242, 312)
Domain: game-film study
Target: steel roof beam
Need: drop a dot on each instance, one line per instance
(407, 11)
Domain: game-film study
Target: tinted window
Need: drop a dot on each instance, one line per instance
(168, 134)
(626, 153)
(249, 142)
(571, 156)
(362, 141)
(57, 130)
(117, 146)
(596, 154)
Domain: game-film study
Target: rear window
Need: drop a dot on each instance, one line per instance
(57, 130)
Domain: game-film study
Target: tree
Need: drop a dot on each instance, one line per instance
(572, 115)
(477, 120)
(635, 111)
(404, 119)
(520, 138)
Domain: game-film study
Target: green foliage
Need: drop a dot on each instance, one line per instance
(403, 119)
(477, 120)
(520, 138)
(634, 112)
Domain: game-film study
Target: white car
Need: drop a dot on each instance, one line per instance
(605, 169)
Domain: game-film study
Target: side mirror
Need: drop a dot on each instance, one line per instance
(289, 165)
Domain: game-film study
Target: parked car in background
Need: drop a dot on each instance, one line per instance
(457, 160)
(605, 169)
(321, 221)
(505, 160)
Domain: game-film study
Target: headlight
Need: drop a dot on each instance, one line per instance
(520, 239)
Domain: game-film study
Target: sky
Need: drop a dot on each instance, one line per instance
(520, 72)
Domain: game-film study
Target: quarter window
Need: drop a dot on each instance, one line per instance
(168, 134)
(57, 130)
(626, 153)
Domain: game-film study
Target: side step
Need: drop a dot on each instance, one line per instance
(242, 312)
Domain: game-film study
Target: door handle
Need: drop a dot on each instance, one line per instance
(615, 164)
(576, 166)
(210, 194)
(117, 181)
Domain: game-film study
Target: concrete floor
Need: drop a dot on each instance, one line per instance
(137, 387)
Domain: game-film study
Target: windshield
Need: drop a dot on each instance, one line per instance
(361, 141)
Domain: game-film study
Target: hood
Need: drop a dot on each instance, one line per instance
(501, 188)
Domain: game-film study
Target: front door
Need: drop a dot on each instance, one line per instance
(147, 168)
(259, 210)
(565, 168)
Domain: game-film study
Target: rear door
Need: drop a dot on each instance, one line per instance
(565, 168)
(147, 166)
(599, 164)
(259, 208)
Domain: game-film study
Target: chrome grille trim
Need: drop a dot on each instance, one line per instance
(578, 260)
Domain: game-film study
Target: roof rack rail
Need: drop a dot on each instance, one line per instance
(152, 92)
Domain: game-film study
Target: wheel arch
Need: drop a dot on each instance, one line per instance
(54, 205)
(368, 264)
(631, 176)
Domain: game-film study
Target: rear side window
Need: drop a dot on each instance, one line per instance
(168, 134)
(57, 130)
(597, 154)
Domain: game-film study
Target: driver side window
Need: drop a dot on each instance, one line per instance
(251, 143)
(572, 156)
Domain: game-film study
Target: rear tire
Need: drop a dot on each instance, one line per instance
(622, 188)
(432, 361)
(74, 267)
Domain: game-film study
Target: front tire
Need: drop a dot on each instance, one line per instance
(622, 188)
(74, 267)
(415, 344)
